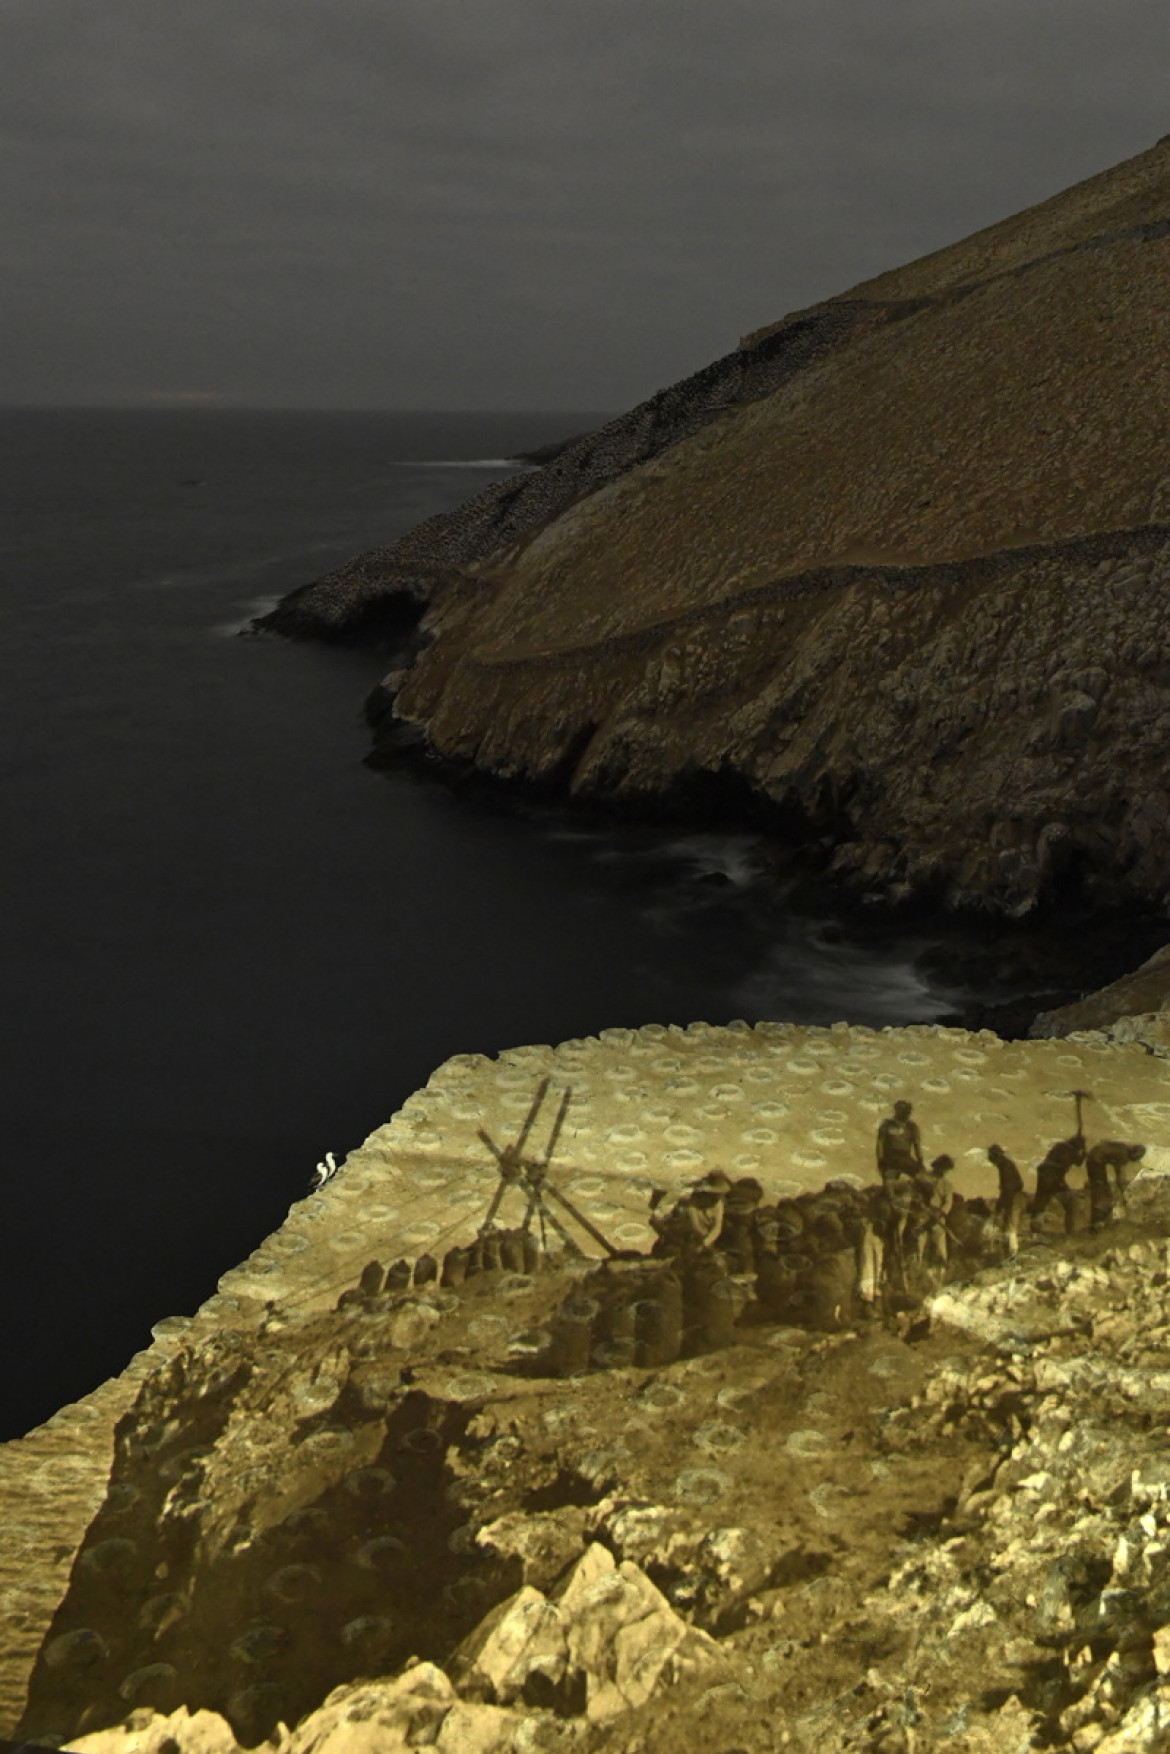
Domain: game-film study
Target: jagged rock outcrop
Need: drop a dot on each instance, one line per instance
(1143, 995)
(955, 1539)
(328, 1471)
(604, 1643)
(899, 568)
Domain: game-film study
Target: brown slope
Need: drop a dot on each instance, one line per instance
(1030, 407)
(919, 589)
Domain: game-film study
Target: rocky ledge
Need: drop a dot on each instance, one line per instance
(970, 1550)
(897, 570)
(337, 1509)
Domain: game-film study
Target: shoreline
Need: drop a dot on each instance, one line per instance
(1110, 939)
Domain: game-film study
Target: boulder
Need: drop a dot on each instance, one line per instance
(607, 1635)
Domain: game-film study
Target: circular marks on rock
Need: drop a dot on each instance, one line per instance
(253, 1710)
(514, 1285)
(424, 1440)
(683, 1159)
(76, 1652)
(585, 1187)
(702, 1485)
(113, 1559)
(727, 1093)
(259, 1644)
(293, 1583)
(467, 1386)
(367, 1631)
(367, 1484)
(681, 1134)
(660, 1397)
(808, 1442)
(346, 1242)
(717, 1437)
(529, 1343)
(156, 1684)
(309, 1524)
(825, 1498)
(735, 1394)
(383, 1553)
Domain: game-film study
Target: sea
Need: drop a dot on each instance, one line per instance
(229, 945)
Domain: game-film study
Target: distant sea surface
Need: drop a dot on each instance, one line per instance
(227, 945)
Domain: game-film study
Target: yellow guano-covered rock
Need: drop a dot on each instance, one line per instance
(234, 1392)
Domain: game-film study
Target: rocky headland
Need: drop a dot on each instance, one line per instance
(346, 1506)
(895, 575)
(896, 570)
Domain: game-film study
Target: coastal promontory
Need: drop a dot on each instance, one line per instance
(896, 569)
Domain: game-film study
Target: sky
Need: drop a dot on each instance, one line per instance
(509, 204)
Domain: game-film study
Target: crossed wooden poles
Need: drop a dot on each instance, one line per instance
(529, 1174)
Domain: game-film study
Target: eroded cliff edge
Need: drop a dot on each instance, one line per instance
(899, 566)
(955, 1525)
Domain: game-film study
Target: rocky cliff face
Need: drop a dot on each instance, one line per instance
(1137, 1004)
(345, 1503)
(899, 568)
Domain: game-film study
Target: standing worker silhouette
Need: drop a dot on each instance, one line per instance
(899, 1145)
(1010, 1206)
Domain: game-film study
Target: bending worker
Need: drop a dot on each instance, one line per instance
(1050, 1178)
(1115, 1155)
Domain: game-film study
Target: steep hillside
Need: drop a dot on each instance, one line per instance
(900, 566)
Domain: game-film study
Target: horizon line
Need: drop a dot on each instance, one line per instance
(180, 406)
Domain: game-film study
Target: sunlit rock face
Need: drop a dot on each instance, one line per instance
(899, 567)
(314, 1477)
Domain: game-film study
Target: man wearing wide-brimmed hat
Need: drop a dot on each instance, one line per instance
(693, 1222)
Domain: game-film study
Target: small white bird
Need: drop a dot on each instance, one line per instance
(323, 1172)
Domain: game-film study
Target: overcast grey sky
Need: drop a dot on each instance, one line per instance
(512, 204)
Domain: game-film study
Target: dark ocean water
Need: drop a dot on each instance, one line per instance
(228, 946)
